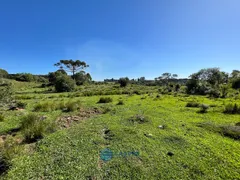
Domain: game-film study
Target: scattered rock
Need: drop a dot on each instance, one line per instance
(170, 153)
(66, 121)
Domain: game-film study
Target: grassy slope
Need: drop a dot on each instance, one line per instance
(74, 153)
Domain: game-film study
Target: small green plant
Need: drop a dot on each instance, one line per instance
(33, 127)
(120, 102)
(105, 100)
(193, 104)
(232, 109)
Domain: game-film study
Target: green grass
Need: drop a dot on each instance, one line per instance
(203, 151)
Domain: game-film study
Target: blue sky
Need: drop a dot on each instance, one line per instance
(119, 38)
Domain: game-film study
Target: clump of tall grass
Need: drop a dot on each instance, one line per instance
(193, 104)
(53, 106)
(1, 117)
(203, 108)
(33, 127)
(105, 100)
(120, 102)
(232, 109)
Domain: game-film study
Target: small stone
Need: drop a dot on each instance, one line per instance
(170, 153)
(161, 127)
(148, 135)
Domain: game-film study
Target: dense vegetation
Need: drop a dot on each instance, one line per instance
(56, 127)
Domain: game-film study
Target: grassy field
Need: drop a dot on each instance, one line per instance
(173, 141)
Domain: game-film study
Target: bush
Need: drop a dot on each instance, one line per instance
(236, 83)
(140, 119)
(6, 92)
(33, 127)
(21, 105)
(64, 83)
(192, 104)
(214, 93)
(105, 100)
(120, 102)
(232, 109)
(1, 118)
(203, 108)
(123, 82)
(25, 77)
(3, 73)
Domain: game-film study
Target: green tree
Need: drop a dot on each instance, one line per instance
(81, 78)
(52, 76)
(72, 66)
(123, 81)
(27, 77)
(64, 83)
(211, 75)
(3, 73)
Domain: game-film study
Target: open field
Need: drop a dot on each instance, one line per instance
(173, 141)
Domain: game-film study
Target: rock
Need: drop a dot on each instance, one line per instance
(148, 135)
(161, 127)
(43, 118)
(170, 153)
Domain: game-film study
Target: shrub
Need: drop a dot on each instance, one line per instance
(203, 108)
(105, 100)
(231, 131)
(64, 83)
(33, 127)
(21, 105)
(236, 83)
(214, 93)
(6, 92)
(123, 82)
(3, 73)
(44, 107)
(120, 102)
(232, 109)
(26, 77)
(1, 118)
(192, 104)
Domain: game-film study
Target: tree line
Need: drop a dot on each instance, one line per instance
(211, 81)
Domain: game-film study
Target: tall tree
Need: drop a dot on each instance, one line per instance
(71, 65)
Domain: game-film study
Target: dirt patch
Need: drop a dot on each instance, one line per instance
(68, 120)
